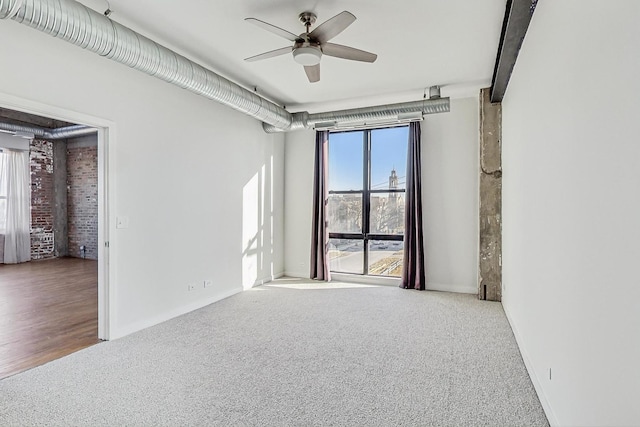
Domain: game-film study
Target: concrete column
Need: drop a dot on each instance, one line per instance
(490, 254)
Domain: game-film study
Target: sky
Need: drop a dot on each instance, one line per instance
(388, 151)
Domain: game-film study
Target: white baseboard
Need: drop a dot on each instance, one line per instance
(537, 384)
(459, 289)
(389, 281)
(143, 324)
(179, 311)
(296, 274)
(260, 282)
(368, 280)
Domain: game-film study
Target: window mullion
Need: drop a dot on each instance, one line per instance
(366, 198)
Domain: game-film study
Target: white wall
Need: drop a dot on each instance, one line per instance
(450, 156)
(298, 201)
(571, 208)
(450, 198)
(199, 182)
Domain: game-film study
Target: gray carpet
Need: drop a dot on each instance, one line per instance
(294, 353)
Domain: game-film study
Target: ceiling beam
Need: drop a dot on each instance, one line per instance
(517, 16)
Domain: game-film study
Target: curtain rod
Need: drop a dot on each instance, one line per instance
(4, 149)
(365, 126)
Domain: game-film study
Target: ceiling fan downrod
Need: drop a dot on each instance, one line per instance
(307, 19)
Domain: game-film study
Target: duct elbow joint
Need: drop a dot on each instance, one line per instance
(299, 121)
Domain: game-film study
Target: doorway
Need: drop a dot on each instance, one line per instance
(64, 289)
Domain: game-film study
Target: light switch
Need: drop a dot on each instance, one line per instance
(122, 222)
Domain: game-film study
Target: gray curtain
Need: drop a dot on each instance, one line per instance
(320, 236)
(413, 275)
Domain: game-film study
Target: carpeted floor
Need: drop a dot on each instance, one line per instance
(294, 353)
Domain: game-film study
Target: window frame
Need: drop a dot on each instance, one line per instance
(365, 236)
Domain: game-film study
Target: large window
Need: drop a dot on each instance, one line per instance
(367, 170)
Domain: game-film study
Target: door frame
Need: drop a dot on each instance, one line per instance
(106, 143)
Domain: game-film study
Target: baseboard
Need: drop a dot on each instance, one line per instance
(459, 289)
(296, 274)
(537, 384)
(179, 311)
(138, 326)
(390, 281)
(367, 280)
(267, 279)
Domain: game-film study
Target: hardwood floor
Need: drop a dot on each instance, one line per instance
(48, 309)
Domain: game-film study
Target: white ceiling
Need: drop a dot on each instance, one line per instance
(419, 43)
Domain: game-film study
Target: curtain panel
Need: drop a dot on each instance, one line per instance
(413, 273)
(320, 235)
(16, 179)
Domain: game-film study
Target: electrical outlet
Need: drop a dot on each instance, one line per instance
(191, 287)
(208, 283)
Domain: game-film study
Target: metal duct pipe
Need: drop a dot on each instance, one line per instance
(378, 114)
(59, 133)
(73, 131)
(84, 27)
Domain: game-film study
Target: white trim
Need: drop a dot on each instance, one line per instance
(395, 281)
(260, 282)
(106, 289)
(389, 281)
(296, 274)
(171, 314)
(459, 289)
(537, 384)
(106, 139)
(369, 280)
(33, 107)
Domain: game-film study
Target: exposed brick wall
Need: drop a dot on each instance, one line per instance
(82, 200)
(42, 238)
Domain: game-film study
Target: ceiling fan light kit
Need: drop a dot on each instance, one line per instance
(307, 55)
(309, 47)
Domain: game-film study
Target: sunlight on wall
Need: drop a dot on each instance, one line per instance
(257, 228)
(250, 231)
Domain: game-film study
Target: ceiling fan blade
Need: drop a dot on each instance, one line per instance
(332, 27)
(273, 29)
(346, 52)
(313, 73)
(270, 54)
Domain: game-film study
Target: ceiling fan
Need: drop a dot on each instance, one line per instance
(309, 47)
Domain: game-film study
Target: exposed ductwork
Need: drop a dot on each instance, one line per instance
(59, 133)
(84, 27)
(367, 115)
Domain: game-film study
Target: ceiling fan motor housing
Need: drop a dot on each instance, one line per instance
(307, 19)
